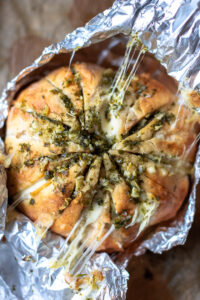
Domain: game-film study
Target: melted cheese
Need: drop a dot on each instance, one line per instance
(118, 108)
(143, 212)
(68, 259)
(73, 256)
(122, 81)
(111, 127)
(26, 193)
(91, 250)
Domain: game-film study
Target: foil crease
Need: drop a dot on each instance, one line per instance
(29, 275)
(170, 30)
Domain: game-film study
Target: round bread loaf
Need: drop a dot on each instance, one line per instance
(77, 147)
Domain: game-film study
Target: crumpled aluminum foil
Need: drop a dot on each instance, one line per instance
(170, 30)
(27, 274)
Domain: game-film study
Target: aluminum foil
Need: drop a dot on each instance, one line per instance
(28, 276)
(170, 30)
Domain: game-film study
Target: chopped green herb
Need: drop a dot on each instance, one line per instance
(13, 287)
(121, 221)
(100, 201)
(80, 275)
(55, 91)
(32, 201)
(29, 163)
(67, 82)
(77, 77)
(48, 174)
(140, 88)
(130, 143)
(24, 147)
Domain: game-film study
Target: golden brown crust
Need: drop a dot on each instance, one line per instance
(53, 137)
(20, 179)
(24, 128)
(153, 97)
(43, 98)
(145, 96)
(64, 80)
(176, 192)
(119, 190)
(66, 221)
(46, 202)
(90, 77)
(175, 138)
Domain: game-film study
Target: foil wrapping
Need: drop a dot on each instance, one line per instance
(170, 30)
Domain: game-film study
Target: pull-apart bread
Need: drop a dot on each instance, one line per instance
(75, 148)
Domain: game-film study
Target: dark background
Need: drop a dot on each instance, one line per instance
(26, 27)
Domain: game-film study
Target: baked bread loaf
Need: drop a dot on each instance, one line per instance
(76, 149)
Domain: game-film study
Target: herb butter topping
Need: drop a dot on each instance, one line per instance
(92, 139)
